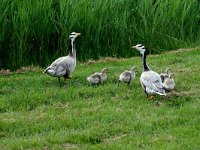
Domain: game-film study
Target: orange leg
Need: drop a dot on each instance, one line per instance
(68, 78)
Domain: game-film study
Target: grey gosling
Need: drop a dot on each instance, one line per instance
(127, 76)
(167, 81)
(98, 77)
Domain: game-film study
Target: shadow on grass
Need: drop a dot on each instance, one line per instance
(174, 99)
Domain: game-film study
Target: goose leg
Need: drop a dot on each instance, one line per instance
(99, 82)
(68, 78)
(129, 81)
(147, 96)
(59, 81)
(118, 82)
(152, 97)
(67, 75)
(94, 85)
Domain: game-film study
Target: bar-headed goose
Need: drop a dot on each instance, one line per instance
(127, 76)
(151, 81)
(98, 77)
(64, 66)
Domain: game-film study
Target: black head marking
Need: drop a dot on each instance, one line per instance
(140, 45)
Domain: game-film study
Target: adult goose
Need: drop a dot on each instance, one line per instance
(64, 66)
(127, 76)
(151, 81)
(98, 77)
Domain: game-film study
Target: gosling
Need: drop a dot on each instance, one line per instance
(127, 76)
(98, 77)
(167, 81)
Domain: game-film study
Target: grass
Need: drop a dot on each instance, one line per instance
(37, 114)
(36, 32)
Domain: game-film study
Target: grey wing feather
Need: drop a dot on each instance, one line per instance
(56, 62)
(63, 65)
(127, 74)
(96, 78)
(53, 65)
(152, 81)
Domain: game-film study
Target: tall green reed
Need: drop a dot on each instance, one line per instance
(36, 31)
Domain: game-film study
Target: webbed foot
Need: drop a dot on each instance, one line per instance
(68, 78)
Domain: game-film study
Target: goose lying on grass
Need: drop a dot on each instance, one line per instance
(151, 81)
(167, 81)
(98, 77)
(64, 66)
(127, 76)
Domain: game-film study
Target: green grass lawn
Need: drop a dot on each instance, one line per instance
(38, 114)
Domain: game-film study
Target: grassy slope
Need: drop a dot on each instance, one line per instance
(37, 114)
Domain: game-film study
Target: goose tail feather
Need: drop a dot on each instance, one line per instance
(50, 71)
(164, 94)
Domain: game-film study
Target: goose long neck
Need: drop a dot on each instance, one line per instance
(145, 67)
(133, 69)
(73, 49)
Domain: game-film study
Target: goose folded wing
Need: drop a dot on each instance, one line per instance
(62, 66)
(55, 63)
(153, 82)
(157, 86)
(127, 74)
(96, 78)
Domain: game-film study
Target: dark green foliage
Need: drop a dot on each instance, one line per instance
(36, 31)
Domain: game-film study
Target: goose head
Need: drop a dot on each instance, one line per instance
(140, 48)
(169, 72)
(105, 70)
(170, 75)
(163, 76)
(168, 83)
(74, 35)
(133, 68)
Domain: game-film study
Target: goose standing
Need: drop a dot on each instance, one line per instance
(167, 81)
(127, 76)
(98, 77)
(151, 81)
(64, 66)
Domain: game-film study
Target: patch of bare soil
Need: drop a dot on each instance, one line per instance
(183, 93)
(183, 50)
(115, 138)
(6, 72)
(27, 69)
(105, 59)
(71, 146)
(111, 59)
